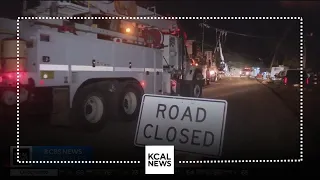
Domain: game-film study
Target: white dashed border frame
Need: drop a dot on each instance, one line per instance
(301, 44)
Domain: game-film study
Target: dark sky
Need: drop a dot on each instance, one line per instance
(255, 47)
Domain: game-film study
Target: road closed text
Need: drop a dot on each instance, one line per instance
(190, 136)
(184, 136)
(191, 125)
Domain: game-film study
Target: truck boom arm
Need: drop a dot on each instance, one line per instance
(105, 8)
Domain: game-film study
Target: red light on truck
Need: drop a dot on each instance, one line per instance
(285, 80)
(173, 83)
(9, 76)
(142, 83)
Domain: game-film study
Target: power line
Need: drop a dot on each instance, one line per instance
(241, 34)
(235, 33)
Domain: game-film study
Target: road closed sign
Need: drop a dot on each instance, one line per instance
(192, 125)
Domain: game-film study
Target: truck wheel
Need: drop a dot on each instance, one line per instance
(4, 112)
(197, 91)
(198, 76)
(211, 79)
(90, 108)
(130, 100)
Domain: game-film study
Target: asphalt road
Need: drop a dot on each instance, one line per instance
(310, 112)
(258, 126)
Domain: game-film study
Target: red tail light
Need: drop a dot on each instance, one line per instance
(307, 81)
(11, 78)
(143, 84)
(173, 83)
(285, 80)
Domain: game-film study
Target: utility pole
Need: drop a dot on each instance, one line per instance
(278, 46)
(203, 26)
(305, 52)
(202, 43)
(305, 49)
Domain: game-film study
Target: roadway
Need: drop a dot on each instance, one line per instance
(311, 99)
(258, 126)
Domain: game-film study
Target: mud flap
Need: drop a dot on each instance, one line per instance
(184, 88)
(114, 89)
(60, 115)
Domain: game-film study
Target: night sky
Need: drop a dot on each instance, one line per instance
(253, 47)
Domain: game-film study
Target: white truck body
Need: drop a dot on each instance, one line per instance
(66, 62)
(276, 70)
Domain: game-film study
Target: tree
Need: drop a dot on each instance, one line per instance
(291, 62)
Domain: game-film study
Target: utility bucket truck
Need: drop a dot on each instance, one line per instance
(88, 67)
(211, 68)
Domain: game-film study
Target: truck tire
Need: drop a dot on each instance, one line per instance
(197, 76)
(90, 108)
(197, 87)
(4, 113)
(130, 100)
(9, 112)
(211, 79)
(197, 90)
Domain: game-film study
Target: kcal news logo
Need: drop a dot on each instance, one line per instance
(159, 159)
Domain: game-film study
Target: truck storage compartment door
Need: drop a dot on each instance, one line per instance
(52, 58)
